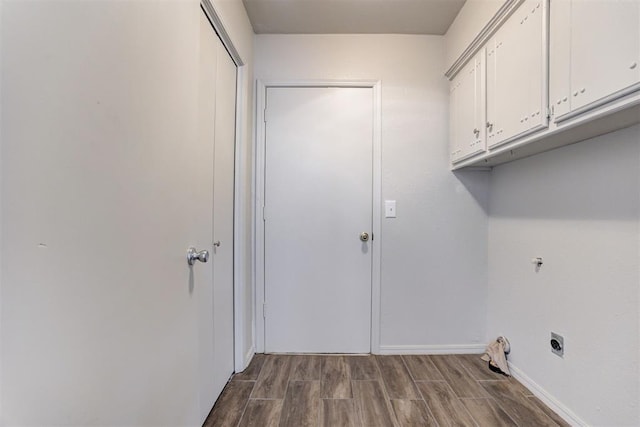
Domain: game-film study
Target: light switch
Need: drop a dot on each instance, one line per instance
(389, 208)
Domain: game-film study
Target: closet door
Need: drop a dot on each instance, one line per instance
(223, 225)
(217, 105)
(105, 184)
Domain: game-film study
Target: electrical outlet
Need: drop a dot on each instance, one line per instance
(557, 344)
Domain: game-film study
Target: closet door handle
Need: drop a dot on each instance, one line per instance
(193, 255)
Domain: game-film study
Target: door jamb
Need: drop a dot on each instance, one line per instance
(258, 207)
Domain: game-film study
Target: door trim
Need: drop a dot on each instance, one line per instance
(258, 201)
(241, 356)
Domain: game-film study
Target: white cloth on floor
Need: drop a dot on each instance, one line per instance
(496, 354)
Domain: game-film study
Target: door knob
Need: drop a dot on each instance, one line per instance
(364, 236)
(193, 255)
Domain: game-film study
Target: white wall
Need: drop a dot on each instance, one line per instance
(434, 253)
(236, 22)
(468, 23)
(578, 208)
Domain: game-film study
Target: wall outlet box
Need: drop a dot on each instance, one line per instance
(557, 344)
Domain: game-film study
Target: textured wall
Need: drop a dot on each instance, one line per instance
(434, 253)
(578, 208)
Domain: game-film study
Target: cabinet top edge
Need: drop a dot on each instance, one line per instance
(505, 11)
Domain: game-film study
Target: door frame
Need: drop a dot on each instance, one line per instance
(241, 356)
(258, 207)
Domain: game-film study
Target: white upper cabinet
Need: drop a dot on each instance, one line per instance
(577, 61)
(517, 76)
(596, 58)
(467, 100)
(560, 57)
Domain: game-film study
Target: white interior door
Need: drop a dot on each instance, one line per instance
(105, 184)
(318, 197)
(217, 99)
(204, 294)
(223, 195)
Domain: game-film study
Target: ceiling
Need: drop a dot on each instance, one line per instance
(352, 16)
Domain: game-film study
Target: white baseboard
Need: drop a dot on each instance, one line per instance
(546, 397)
(248, 357)
(433, 349)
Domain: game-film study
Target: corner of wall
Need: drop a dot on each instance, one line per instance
(473, 16)
(554, 404)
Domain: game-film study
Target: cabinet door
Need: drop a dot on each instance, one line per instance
(479, 142)
(516, 75)
(560, 56)
(466, 116)
(491, 109)
(506, 95)
(454, 132)
(605, 49)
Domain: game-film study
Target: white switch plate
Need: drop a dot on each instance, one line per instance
(389, 208)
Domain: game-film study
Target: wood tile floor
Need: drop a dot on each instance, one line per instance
(385, 391)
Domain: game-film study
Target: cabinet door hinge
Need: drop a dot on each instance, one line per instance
(264, 114)
(549, 112)
(264, 310)
(264, 215)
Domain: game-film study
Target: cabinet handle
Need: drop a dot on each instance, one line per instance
(476, 131)
(489, 125)
(633, 65)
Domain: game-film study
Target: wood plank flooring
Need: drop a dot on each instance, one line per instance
(369, 391)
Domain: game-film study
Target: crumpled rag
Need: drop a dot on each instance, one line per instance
(495, 354)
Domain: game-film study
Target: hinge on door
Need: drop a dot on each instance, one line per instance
(264, 310)
(264, 215)
(372, 237)
(264, 114)
(549, 112)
